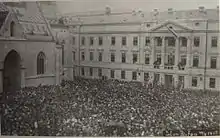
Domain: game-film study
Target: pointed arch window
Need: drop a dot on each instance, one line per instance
(12, 29)
(41, 63)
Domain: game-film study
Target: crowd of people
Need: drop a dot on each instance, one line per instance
(95, 107)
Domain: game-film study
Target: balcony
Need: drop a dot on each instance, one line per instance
(170, 67)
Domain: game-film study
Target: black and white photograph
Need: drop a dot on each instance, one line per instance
(109, 68)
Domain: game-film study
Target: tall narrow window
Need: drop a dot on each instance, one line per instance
(100, 72)
(183, 42)
(212, 82)
(82, 71)
(91, 41)
(100, 40)
(91, 71)
(147, 59)
(124, 41)
(113, 41)
(134, 75)
(213, 62)
(146, 76)
(122, 74)
(12, 29)
(74, 40)
(195, 61)
(194, 82)
(158, 41)
(135, 41)
(123, 57)
(171, 41)
(112, 57)
(91, 56)
(41, 63)
(83, 39)
(135, 58)
(112, 74)
(196, 41)
(82, 56)
(214, 41)
(74, 55)
(147, 41)
(100, 56)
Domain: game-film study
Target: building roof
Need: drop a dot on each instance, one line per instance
(139, 16)
(30, 17)
(3, 14)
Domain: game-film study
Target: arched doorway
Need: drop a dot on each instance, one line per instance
(12, 72)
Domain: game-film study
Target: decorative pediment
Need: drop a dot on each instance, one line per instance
(171, 24)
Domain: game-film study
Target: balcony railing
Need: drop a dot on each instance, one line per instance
(157, 66)
(168, 67)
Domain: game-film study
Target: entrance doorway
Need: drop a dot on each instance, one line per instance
(168, 80)
(12, 72)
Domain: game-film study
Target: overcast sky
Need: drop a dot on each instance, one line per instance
(145, 5)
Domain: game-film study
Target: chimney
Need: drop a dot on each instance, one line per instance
(170, 10)
(201, 9)
(156, 12)
(107, 10)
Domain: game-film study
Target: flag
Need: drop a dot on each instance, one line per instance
(172, 31)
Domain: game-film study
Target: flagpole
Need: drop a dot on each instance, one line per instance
(206, 48)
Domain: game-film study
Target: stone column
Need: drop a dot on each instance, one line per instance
(177, 52)
(163, 52)
(162, 78)
(152, 41)
(189, 51)
(175, 79)
(1, 77)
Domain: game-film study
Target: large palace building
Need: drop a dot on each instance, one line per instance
(169, 47)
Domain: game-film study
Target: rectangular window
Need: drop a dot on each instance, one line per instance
(213, 62)
(158, 41)
(82, 71)
(135, 58)
(112, 57)
(214, 41)
(212, 82)
(194, 82)
(123, 57)
(74, 73)
(124, 41)
(146, 76)
(122, 74)
(113, 41)
(100, 72)
(91, 41)
(159, 58)
(196, 41)
(195, 61)
(135, 41)
(100, 40)
(82, 56)
(134, 75)
(147, 59)
(91, 56)
(83, 39)
(74, 55)
(112, 74)
(74, 41)
(156, 78)
(181, 81)
(147, 41)
(183, 42)
(91, 71)
(171, 41)
(183, 60)
(100, 56)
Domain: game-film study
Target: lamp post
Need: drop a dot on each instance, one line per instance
(62, 46)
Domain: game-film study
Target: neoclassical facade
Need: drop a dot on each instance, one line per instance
(171, 47)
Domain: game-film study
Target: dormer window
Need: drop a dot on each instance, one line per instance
(148, 25)
(197, 24)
